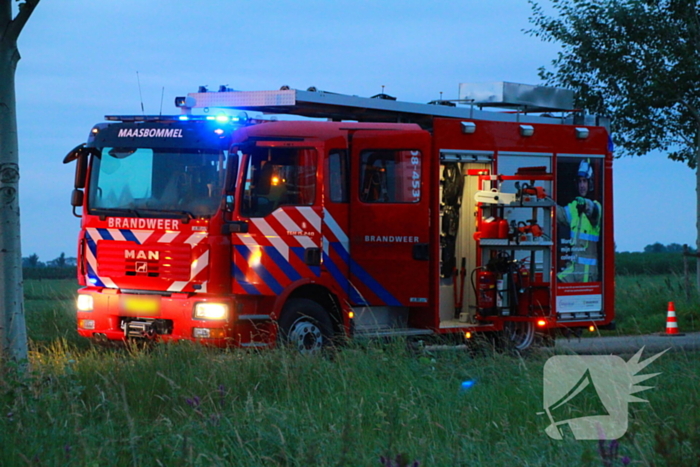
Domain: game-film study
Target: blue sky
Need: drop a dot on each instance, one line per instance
(80, 60)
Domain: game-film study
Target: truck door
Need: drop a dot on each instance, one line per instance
(390, 217)
(279, 200)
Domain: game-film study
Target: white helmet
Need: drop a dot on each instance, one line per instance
(585, 169)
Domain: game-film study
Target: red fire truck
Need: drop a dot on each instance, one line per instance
(373, 217)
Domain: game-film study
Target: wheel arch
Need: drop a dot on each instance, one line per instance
(324, 297)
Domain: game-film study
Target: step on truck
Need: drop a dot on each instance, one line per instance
(346, 216)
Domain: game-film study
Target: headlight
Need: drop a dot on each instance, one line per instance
(211, 311)
(84, 303)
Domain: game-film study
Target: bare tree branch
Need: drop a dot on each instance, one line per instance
(693, 111)
(17, 24)
(5, 17)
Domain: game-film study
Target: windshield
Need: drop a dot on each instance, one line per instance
(145, 182)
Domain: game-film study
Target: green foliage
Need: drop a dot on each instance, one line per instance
(670, 248)
(32, 261)
(636, 263)
(50, 272)
(633, 60)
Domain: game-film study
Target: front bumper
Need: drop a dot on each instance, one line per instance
(117, 316)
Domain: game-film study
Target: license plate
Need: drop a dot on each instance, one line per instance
(141, 306)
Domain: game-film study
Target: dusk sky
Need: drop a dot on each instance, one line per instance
(80, 61)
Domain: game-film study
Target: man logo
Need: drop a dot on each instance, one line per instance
(141, 254)
(141, 266)
(587, 395)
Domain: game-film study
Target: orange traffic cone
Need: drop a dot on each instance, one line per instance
(671, 322)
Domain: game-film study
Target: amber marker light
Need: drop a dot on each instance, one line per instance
(207, 333)
(591, 328)
(351, 315)
(468, 335)
(541, 323)
(86, 323)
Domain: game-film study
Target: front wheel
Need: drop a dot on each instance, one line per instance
(305, 326)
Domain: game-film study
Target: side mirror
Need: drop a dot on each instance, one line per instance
(74, 153)
(79, 153)
(76, 200)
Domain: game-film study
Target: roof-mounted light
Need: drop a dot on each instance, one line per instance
(222, 118)
(468, 127)
(527, 130)
(185, 101)
(581, 133)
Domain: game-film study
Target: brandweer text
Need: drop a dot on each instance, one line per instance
(391, 239)
(134, 223)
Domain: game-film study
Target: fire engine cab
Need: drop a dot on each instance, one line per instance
(371, 217)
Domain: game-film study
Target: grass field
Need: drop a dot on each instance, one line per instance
(641, 303)
(186, 405)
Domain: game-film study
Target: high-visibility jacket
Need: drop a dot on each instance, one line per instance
(585, 237)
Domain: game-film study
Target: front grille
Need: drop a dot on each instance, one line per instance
(166, 261)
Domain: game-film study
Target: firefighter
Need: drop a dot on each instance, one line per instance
(582, 217)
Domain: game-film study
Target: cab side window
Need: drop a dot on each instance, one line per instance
(278, 177)
(338, 175)
(390, 176)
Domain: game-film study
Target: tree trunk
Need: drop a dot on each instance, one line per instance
(697, 221)
(13, 334)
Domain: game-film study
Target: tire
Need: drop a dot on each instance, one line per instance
(518, 335)
(305, 326)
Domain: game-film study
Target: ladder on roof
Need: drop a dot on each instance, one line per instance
(321, 104)
(339, 107)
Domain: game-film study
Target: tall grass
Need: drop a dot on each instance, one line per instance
(184, 405)
(641, 303)
(50, 312)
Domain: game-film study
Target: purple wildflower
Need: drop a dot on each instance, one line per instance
(194, 402)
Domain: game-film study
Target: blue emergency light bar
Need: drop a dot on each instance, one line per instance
(221, 118)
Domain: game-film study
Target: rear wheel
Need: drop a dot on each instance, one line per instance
(519, 335)
(305, 326)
